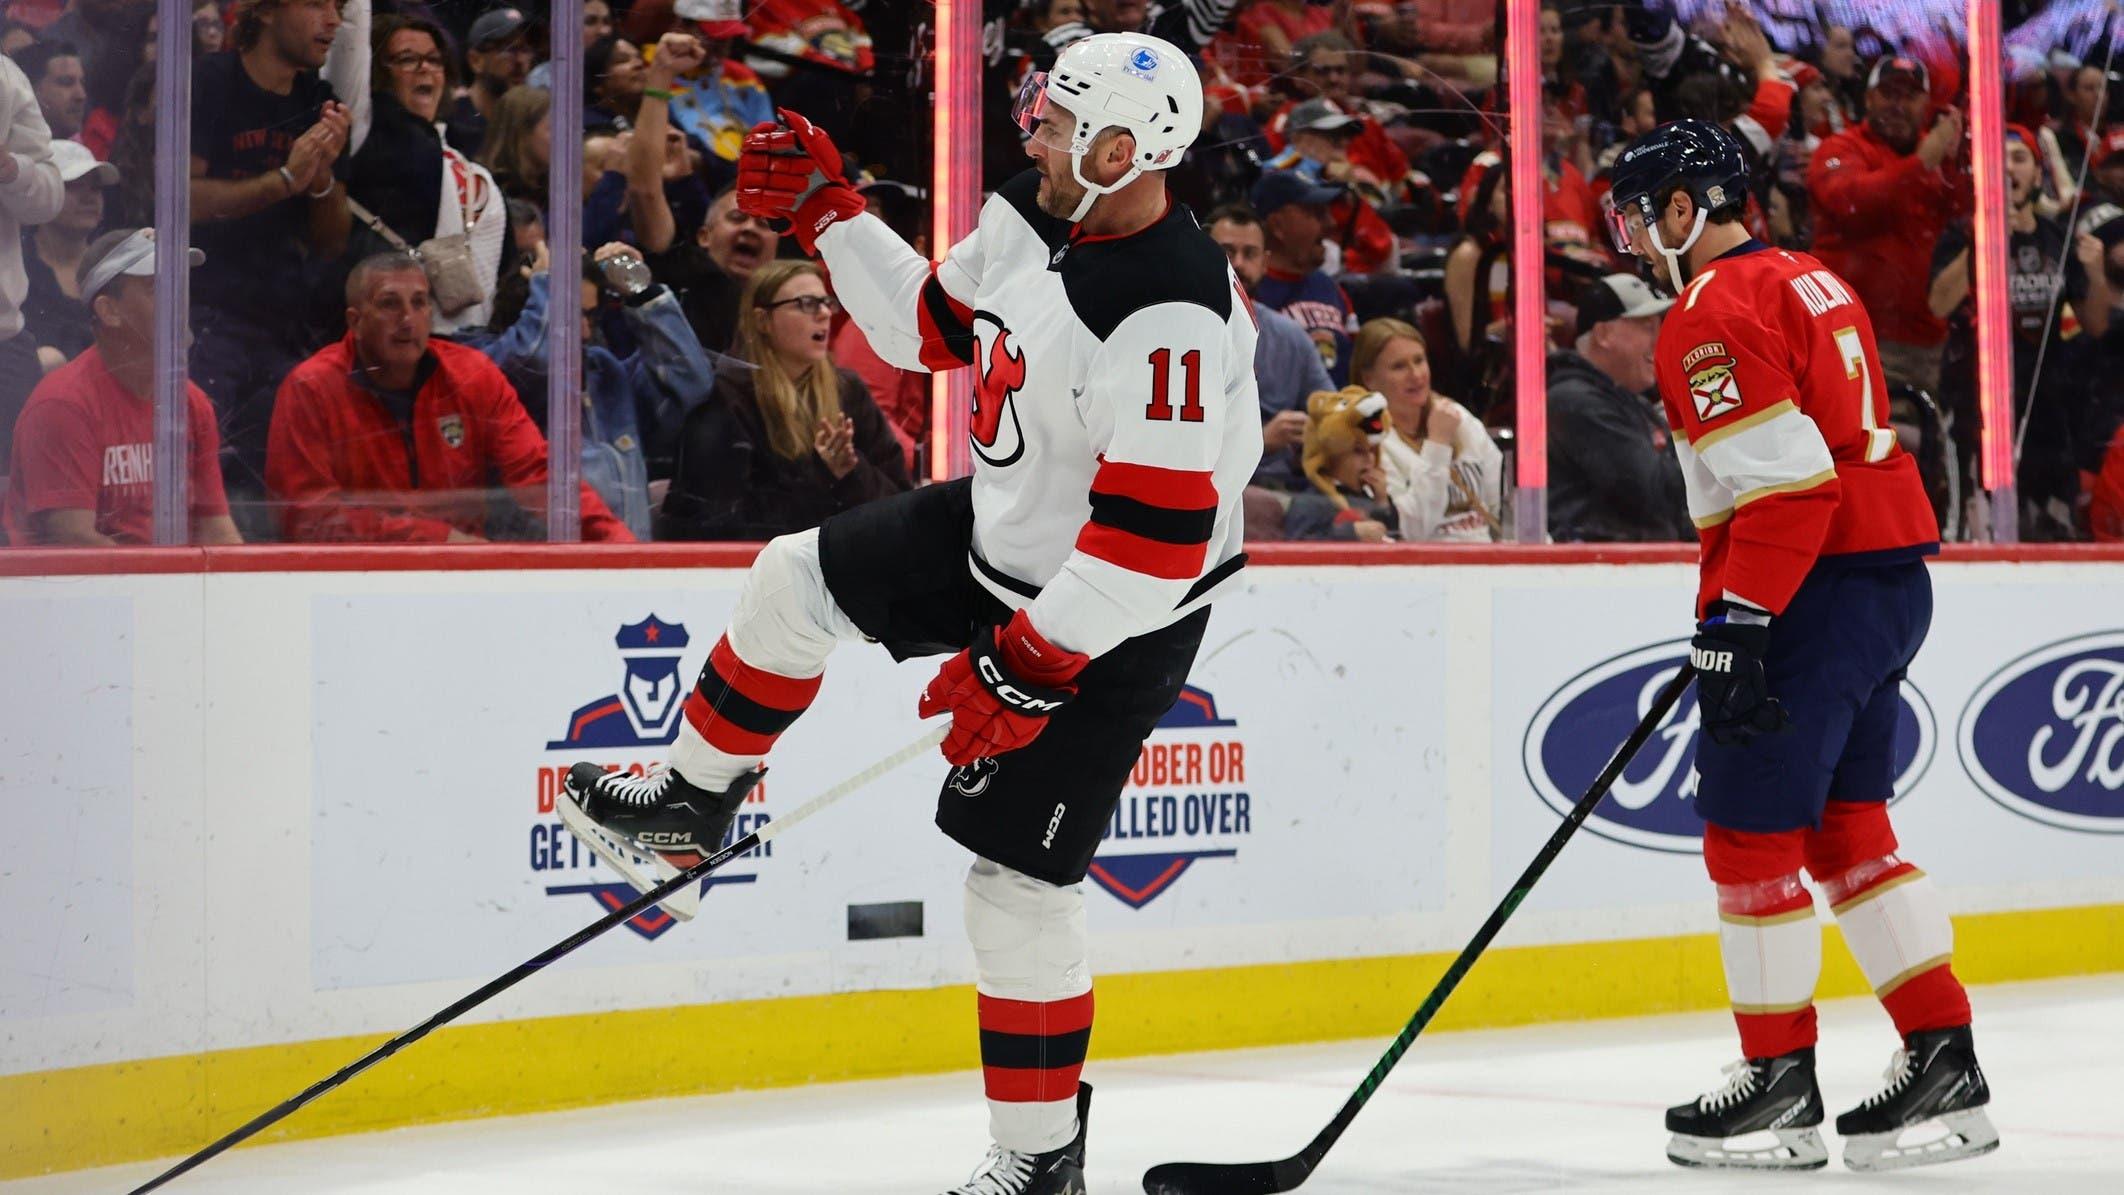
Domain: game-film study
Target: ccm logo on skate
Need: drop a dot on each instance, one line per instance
(2044, 736)
(1573, 733)
(628, 728)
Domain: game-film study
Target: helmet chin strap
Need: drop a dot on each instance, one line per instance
(1092, 190)
(1674, 255)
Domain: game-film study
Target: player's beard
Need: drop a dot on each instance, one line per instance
(1059, 193)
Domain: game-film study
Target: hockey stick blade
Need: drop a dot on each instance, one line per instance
(1265, 1178)
(552, 954)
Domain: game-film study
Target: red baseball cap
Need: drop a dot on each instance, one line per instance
(1896, 68)
(717, 18)
(2109, 146)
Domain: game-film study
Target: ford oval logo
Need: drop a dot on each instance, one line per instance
(2044, 736)
(1576, 732)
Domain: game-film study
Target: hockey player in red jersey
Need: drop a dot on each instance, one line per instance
(1066, 583)
(1813, 600)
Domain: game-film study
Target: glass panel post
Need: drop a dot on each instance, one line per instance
(1529, 296)
(564, 233)
(173, 289)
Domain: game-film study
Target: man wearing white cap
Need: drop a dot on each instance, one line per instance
(83, 468)
(54, 317)
(1612, 473)
(30, 194)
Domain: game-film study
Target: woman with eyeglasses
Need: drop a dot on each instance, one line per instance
(411, 184)
(784, 444)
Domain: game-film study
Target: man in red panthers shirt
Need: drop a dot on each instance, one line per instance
(1882, 193)
(83, 469)
(1813, 601)
(391, 435)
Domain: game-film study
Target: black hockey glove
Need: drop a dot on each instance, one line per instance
(1732, 698)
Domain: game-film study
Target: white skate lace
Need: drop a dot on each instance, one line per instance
(1740, 1084)
(1897, 1076)
(1002, 1172)
(636, 790)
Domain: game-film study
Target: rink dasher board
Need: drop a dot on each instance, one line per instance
(302, 807)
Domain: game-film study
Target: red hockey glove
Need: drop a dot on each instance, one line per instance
(791, 171)
(1001, 690)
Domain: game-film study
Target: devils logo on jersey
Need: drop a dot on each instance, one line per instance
(1002, 374)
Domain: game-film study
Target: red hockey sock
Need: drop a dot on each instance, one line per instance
(1768, 940)
(1032, 1051)
(740, 710)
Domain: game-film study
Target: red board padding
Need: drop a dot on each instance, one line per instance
(295, 558)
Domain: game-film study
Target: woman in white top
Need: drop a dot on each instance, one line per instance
(405, 174)
(1444, 475)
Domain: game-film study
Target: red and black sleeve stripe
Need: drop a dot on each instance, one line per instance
(740, 709)
(1151, 520)
(946, 326)
(1032, 1051)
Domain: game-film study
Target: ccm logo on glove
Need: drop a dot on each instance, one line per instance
(1000, 690)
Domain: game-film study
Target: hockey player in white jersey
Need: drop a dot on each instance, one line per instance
(1066, 582)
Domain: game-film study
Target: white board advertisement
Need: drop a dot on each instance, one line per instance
(2009, 752)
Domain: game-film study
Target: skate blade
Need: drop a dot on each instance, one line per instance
(1964, 1134)
(1792, 1149)
(641, 869)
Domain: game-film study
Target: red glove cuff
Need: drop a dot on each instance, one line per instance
(1028, 654)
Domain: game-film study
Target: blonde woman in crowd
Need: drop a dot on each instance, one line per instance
(1443, 474)
(780, 446)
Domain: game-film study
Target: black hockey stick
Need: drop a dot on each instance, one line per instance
(552, 954)
(1263, 1178)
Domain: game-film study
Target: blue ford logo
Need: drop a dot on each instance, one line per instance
(1576, 732)
(2044, 736)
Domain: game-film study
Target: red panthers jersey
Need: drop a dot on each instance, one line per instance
(1773, 386)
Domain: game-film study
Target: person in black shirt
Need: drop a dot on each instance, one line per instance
(267, 139)
(779, 447)
(708, 267)
(498, 56)
(2060, 296)
(1613, 476)
(52, 311)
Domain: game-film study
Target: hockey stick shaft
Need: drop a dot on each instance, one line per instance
(551, 954)
(1188, 1178)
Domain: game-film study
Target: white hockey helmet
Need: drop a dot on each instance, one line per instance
(1131, 81)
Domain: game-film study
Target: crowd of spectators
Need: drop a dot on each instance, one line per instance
(370, 181)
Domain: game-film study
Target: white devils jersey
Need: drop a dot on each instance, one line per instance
(1115, 422)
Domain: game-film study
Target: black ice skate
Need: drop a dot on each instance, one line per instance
(1056, 1172)
(650, 828)
(1767, 1117)
(1933, 1082)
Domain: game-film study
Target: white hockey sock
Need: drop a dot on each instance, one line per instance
(1035, 997)
(767, 667)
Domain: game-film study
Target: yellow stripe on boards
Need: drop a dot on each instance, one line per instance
(161, 1107)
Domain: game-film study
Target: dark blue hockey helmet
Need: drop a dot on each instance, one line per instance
(1695, 156)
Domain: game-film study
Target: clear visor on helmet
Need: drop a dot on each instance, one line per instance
(1044, 123)
(1626, 221)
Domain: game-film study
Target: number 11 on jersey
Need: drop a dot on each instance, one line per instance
(1161, 405)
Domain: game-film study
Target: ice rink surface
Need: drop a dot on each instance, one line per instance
(1550, 1108)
